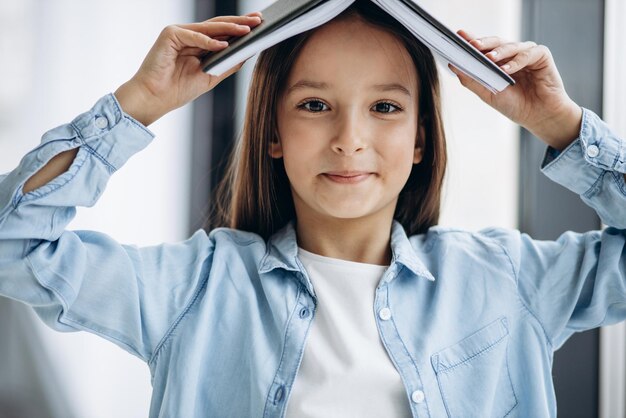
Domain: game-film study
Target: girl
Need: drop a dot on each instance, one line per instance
(331, 292)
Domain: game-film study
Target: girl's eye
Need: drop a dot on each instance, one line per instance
(385, 107)
(313, 106)
(317, 106)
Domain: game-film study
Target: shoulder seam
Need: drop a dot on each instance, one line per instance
(231, 237)
(516, 277)
(179, 318)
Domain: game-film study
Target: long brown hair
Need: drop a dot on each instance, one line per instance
(255, 194)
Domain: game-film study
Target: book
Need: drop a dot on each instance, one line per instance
(286, 18)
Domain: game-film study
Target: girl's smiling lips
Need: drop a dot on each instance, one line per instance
(347, 177)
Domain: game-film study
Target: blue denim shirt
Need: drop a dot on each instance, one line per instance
(222, 319)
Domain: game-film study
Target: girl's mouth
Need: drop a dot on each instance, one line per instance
(347, 177)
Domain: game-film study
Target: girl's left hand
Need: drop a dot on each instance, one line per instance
(538, 100)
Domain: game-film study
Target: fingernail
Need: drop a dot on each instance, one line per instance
(493, 53)
(223, 43)
(505, 67)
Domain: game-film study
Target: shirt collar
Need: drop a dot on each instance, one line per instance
(282, 252)
(403, 252)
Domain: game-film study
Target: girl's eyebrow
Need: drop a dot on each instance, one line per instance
(320, 85)
(303, 84)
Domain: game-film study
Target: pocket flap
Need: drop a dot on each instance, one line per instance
(477, 343)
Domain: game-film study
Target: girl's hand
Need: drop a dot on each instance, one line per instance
(538, 100)
(170, 75)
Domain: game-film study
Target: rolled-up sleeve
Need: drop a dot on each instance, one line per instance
(593, 167)
(106, 138)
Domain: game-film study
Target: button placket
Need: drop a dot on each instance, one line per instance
(297, 330)
(397, 351)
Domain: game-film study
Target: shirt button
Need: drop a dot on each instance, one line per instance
(593, 151)
(384, 314)
(101, 122)
(418, 396)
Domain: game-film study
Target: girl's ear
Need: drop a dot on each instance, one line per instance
(275, 149)
(420, 142)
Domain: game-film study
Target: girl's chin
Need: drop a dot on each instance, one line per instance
(345, 206)
(347, 212)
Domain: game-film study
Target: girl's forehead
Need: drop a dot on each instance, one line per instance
(352, 48)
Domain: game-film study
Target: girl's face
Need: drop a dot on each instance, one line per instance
(348, 122)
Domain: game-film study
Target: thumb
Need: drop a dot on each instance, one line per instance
(215, 80)
(472, 85)
(203, 82)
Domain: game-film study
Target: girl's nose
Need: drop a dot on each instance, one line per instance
(350, 136)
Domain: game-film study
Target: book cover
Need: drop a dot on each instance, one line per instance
(286, 18)
(274, 17)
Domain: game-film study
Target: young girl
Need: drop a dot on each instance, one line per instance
(332, 293)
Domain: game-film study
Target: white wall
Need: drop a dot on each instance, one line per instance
(58, 58)
(482, 183)
(481, 187)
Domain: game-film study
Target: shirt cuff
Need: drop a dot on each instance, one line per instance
(106, 137)
(111, 134)
(592, 166)
(581, 165)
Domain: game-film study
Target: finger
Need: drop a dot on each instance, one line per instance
(186, 38)
(466, 35)
(527, 58)
(209, 81)
(472, 85)
(214, 29)
(243, 20)
(506, 51)
(192, 52)
(471, 39)
(488, 43)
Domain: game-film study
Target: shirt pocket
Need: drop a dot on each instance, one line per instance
(473, 374)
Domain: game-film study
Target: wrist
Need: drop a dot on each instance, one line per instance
(138, 103)
(562, 128)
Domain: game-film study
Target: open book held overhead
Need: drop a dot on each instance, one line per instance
(286, 18)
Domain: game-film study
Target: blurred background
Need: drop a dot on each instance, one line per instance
(59, 57)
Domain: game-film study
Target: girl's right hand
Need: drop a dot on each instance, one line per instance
(171, 75)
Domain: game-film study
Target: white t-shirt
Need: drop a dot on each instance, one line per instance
(345, 371)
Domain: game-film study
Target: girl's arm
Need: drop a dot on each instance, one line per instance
(594, 166)
(84, 280)
(168, 78)
(578, 281)
(538, 100)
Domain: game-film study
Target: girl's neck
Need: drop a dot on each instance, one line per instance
(359, 240)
